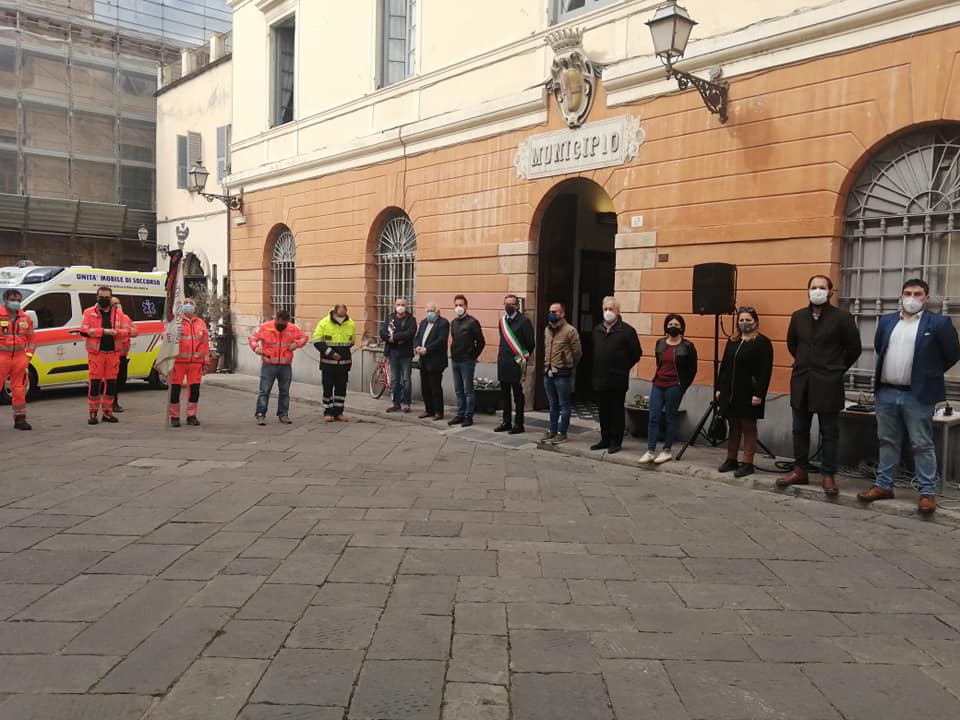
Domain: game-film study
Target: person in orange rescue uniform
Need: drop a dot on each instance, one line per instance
(16, 349)
(106, 328)
(124, 350)
(190, 364)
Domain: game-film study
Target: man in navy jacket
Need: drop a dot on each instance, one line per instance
(915, 348)
(430, 345)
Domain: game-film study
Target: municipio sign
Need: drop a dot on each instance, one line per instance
(595, 145)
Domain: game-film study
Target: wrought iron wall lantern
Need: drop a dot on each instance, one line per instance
(670, 28)
(198, 181)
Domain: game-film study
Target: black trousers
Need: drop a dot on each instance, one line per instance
(334, 389)
(431, 387)
(121, 377)
(612, 420)
(517, 390)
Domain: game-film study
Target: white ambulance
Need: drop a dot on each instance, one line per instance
(55, 298)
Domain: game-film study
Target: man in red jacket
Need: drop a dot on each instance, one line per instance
(105, 327)
(190, 364)
(16, 349)
(275, 341)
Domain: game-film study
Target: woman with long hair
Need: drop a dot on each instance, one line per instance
(742, 388)
(676, 369)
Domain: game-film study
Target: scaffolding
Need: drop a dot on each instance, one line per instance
(78, 123)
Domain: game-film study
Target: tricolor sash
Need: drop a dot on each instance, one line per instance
(519, 354)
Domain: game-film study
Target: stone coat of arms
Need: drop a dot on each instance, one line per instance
(573, 77)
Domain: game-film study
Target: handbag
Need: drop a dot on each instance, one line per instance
(717, 430)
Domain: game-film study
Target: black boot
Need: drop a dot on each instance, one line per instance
(20, 423)
(503, 427)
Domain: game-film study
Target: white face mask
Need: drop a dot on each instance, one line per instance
(818, 296)
(609, 316)
(911, 305)
(460, 310)
(401, 309)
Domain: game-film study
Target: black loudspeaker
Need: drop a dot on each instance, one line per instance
(714, 288)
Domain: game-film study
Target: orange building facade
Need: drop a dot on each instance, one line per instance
(776, 191)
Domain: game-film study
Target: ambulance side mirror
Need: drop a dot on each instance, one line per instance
(32, 314)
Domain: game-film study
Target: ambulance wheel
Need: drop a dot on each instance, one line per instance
(156, 380)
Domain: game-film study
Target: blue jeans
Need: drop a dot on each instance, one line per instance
(463, 386)
(829, 431)
(663, 400)
(282, 374)
(898, 410)
(558, 395)
(400, 369)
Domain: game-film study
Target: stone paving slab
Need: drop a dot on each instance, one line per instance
(414, 573)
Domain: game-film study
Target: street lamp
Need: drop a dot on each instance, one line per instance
(198, 180)
(670, 28)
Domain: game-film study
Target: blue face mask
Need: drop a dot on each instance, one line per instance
(431, 316)
(187, 308)
(13, 305)
(552, 317)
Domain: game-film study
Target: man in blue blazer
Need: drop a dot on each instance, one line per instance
(430, 345)
(915, 348)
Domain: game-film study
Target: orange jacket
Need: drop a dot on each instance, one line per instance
(16, 332)
(194, 341)
(92, 327)
(275, 345)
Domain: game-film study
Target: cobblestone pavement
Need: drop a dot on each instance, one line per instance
(377, 570)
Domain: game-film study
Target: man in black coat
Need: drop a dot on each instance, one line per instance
(616, 349)
(517, 343)
(825, 343)
(430, 345)
(397, 334)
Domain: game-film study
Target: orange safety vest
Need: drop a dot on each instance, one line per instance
(194, 341)
(275, 345)
(16, 332)
(92, 327)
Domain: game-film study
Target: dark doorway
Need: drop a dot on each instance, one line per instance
(576, 268)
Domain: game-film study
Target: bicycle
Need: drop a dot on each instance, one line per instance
(380, 380)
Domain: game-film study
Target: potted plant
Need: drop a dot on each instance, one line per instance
(638, 415)
(488, 395)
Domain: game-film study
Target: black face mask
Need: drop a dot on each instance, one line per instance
(103, 302)
(674, 331)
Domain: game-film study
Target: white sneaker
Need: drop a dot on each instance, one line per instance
(662, 457)
(646, 458)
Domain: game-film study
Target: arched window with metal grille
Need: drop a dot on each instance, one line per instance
(901, 219)
(396, 255)
(284, 266)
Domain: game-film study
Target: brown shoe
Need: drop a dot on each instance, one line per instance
(875, 493)
(927, 504)
(328, 418)
(342, 418)
(424, 415)
(438, 417)
(797, 476)
(829, 485)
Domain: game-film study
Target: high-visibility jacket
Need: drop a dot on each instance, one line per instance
(331, 337)
(194, 341)
(92, 327)
(275, 344)
(16, 332)
(123, 343)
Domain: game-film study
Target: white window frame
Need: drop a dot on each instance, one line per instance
(276, 107)
(410, 42)
(283, 268)
(562, 15)
(396, 255)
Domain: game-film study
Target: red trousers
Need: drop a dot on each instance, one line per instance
(14, 365)
(102, 388)
(189, 373)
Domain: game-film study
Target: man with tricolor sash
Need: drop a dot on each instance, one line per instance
(517, 343)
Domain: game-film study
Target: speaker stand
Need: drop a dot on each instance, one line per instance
(713, 408)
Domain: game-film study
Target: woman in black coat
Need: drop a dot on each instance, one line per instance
(742, 388)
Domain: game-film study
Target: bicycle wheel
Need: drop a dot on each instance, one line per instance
(378, 382)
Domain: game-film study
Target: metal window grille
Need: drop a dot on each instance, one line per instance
(396, 265)
(284, 266)
(901, 219)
